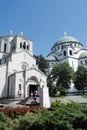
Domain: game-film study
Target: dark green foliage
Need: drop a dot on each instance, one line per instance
(4, 122)
(52, 87)
(80, 78)
(62, 91)
(41, 62)
(60, 78)
(70, 116)
(62, 74)
(74, 112)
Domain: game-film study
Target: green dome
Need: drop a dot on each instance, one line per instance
(66, 39)
(82, 55)
(51, 58)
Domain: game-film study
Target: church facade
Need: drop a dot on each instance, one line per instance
(19, 74)
(67, 49)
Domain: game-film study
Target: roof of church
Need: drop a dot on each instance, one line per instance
(66, 39)
(6, 36)
(82, 55)
(51, 58)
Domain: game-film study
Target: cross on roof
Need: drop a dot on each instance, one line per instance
(65, 34)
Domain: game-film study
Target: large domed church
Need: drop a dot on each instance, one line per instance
(67, 49)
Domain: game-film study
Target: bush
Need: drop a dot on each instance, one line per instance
(70, 116)
(74, 113)
(62, 91)
(14, 112)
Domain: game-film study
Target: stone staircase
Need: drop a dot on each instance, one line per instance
(30, 101)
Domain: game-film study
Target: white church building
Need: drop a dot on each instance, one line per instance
(19, 74)
(67, 49)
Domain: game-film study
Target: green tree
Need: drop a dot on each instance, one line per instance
(41, 62)
(52, 87)
(61, 75)
(80, 78)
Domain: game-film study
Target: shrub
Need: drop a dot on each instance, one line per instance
(70, 116)
(62, 91)
(13, 112)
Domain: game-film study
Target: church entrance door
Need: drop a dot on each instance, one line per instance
(32, 89)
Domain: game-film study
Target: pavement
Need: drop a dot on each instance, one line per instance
(16, 102)
(10, 102)
(74, 98)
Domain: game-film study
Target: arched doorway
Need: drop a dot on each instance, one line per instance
(33, 86)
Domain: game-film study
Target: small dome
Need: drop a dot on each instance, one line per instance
(83, 55)
(66, 39)
(51, 58)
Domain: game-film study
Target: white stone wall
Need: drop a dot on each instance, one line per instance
(5, 40)
(15, 44)
(11, 90)
(18, 59)
(44, 97)
(1, 55)
(73, 63)
(39, 75)
(18, 79)
(3, 81)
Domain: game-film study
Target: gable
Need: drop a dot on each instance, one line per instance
(20, 59)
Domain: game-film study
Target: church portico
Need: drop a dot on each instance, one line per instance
(31, 86)
(23, 83)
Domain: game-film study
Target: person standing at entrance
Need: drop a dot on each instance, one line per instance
(36, 93)
(31, 95)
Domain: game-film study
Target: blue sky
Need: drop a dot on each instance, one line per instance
(44, 21)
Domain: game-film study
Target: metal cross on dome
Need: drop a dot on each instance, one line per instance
(65, 34)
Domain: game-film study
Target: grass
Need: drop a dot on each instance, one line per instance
(84, 96)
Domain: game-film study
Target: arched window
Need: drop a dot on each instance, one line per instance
(27, 47)
(81, 62)
(24, 46)
(85, 61)
(70, 52)
(70, 44)
(5, 45)
(19, 86)
(64, 53)
(0, 61)
(20, 44)
(62, 46)
(75, 44)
